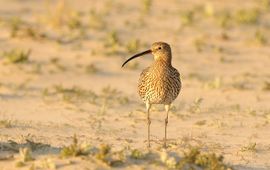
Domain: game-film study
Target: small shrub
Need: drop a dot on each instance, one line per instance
(91, 69)
(260, 38)
(195, 106)
(16, 56)
(75, 149)
(133, 45)
(247, 16)
(187, 18)
(137, 154)
(5, 123)
(25, 154)
(146, 6)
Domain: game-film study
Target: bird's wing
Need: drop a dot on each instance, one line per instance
(143, 82)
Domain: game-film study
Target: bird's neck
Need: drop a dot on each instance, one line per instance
(163, 61)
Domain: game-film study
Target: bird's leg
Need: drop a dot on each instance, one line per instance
(167, 108)
(148, 107)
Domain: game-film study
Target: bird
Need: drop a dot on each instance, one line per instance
(160, 83)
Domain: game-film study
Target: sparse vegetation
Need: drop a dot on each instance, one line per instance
(96, 20)
(251, 147)
(71, 95)
(112, 43)
(108, 157)
(91, 69)
(133, 45)
(195, 106)
(112, 39)
(213, 84)
(200, 122)
(187, 18)
(16, 55)
(56, 62)
(137, 154)
(5, 123)
(146, 6)
(75, 149)
(247, 16)
(61, 15)
(25, 156)
(108, 96)
(194, 157)
(191, 158)
(266, 86)
(224, 19)
(47, 164)
(260, 38)
(22, 29)
(199, 44)
(265, 4)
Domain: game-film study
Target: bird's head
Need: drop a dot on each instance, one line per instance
(160, 50)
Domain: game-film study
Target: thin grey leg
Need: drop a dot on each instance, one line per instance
(148, 107)
(167, 108)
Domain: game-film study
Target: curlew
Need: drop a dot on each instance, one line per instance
(160, 83)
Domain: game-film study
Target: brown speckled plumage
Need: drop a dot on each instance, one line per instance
(160, 83)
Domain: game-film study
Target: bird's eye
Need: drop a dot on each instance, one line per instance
(159, 48)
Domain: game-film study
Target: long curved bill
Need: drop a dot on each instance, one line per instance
(136, 55)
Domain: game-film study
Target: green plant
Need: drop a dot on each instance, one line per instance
(48, 164)
(265, 4)
(187, 18)
(96, 20)
(133, 45)
(56, 62)
(112, 39)
(195, 106)
(17, 55)
(201, 122)
(71, 95)
(209, 161)
(169, 161)
(199, 44)
(260, 38)
(15, 25)
(240, 85)
(107, 156)
(266, 86)
(74, 21)
(22, 29)
(146, 6)
(75, 149)
(5, 123)
(251, 147)
(25, 154)
(247, 16)
(91, 69)
(223, 19)
(112, 43)
(137, 154)
(213, 84)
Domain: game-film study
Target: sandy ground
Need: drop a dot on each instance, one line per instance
(73, 82)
